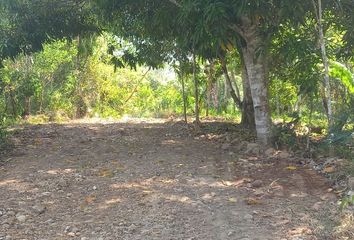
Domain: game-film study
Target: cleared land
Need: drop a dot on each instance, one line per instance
(155, 180)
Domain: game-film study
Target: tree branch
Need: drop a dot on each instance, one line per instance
(136, 86)
(234, 96)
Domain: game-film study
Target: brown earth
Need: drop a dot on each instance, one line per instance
(156, 180)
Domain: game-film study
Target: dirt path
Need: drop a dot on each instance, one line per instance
(153, 180)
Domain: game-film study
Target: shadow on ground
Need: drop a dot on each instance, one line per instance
(154, 180)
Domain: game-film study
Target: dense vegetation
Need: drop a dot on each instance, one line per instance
(248, 61)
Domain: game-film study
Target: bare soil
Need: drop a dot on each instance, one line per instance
(156, 180)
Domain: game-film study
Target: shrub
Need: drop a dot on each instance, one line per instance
(3, 133)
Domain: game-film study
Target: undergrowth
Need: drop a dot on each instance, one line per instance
(295, 134)
(3, 133)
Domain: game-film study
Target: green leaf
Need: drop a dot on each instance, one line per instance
(341, 72)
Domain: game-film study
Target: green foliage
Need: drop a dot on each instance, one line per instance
(339, 71)
(284, 136)
(27, 24)
(346, 202)
(341, 136)
(75, 74)
(3, 132)
(70, 79)
(37, 119)
(66, 81)
(283, 96)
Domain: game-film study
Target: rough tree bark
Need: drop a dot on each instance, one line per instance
(254, 57)
(247, 119)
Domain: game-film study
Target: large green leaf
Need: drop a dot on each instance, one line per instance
(341, 72)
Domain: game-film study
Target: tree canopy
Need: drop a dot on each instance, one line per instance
(272, 40)
(27, 24)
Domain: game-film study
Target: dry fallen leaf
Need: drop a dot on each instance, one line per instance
(252, 201)
(328, 170)
(38, 141)
(90, 199)
(87, 201)
(291, 168)
(227, 183)
(106, 173)
(300, 231)
(117, 165)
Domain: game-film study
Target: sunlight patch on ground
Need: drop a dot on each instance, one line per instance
(113, 201)
(346, 225)
(8, 182)
(124, 119)
(110, 202)
(170, 142)
(299, 194)
(15, 185)
(218, 184)
(300, 231)
(128, 186)
(145, 184)
(208, 196)
(168, 181)
(177, 198)
(60, 171)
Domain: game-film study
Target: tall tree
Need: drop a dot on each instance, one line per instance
(200, 25)
(327, 99)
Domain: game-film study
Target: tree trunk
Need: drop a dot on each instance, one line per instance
(327, 87)
(255, 62)
(41, 100)
(208, 88)
(236, 99)
(226, 91)
(13, 104)
(277, 101)
(27, 106)
(184, 99)
(6, 110)
(246, 105)
(297, 107)
(207, 99)
(247, 119)
(233, 79)
(196, 92)
(215, 95)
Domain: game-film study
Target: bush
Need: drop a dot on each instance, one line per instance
(3, 133)
(340, 143)
(283, 136)
(340, 138)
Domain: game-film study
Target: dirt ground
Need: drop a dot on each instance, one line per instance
(156, 180)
